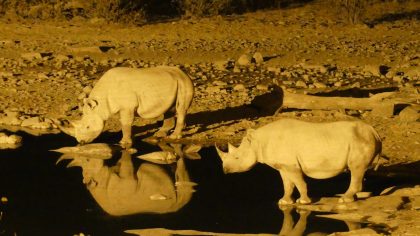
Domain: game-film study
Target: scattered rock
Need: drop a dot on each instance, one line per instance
(87, 89)
(86, 50)
(356, 85)
(244, 60)
(301, 84)
(9, 141)
(409, 114)
(276, 70)
(31, 56)
(11, 118)
(36, 123)
(372, 69)
(220, 65)
(262, 87)
(385, 110)
(357, 232)
(320, 85)
(239, 87)
(258, 58)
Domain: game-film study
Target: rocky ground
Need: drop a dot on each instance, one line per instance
(47, 68)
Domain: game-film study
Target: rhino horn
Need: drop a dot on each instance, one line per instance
(63, 157)
(220, 152)
(74, 163)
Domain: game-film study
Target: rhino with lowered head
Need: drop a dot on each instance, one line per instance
(151, 92)
(318, 150)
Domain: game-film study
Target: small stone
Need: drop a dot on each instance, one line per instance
(262, 87)
(372, 69)
(219, 83)
(301, 84)
(244, 60)
(258, 58)
(11, 118)
(398, 79)
(338, 84)
(320, 85)
(239, 87)
(384, 110)
(87, 89)
(81, 96)
(30, 121)
(86, 50)
(276, 70)
(409, 114)
(220, 65)
(62, 58)
(9, 141)
(31, 56)
(356, 85)
(213, 89)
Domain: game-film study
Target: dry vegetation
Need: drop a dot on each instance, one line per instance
(142, 11)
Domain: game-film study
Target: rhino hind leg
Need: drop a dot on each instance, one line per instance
(180, 123)
(356, 185)
(168, 124)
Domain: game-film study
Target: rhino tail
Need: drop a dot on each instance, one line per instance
(185, 92)
(378, 150)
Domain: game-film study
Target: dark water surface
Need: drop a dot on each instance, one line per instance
(45, 198)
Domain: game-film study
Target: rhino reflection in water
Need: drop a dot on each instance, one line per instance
(120, 190)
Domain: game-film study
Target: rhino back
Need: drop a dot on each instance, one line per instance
(151, 90)
(321, 150)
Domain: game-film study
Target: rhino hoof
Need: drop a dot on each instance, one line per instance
(283, 202)
(126, 144)
(303, 201)
(346, 200)
(175, 136)
(160, 134)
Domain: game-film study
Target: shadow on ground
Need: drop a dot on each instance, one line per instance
(392, 17)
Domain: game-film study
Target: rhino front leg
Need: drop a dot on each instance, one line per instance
(295, 175)
(126, 119)
(288, 187)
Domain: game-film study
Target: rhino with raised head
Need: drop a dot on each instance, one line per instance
(318, 150)
(151, 92)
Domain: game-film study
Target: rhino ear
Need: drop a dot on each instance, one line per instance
(90, 103)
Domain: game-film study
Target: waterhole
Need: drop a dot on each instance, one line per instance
(43, 197)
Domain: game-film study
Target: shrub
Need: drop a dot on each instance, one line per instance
(198, 8)
(353, 9)
(126, 11)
